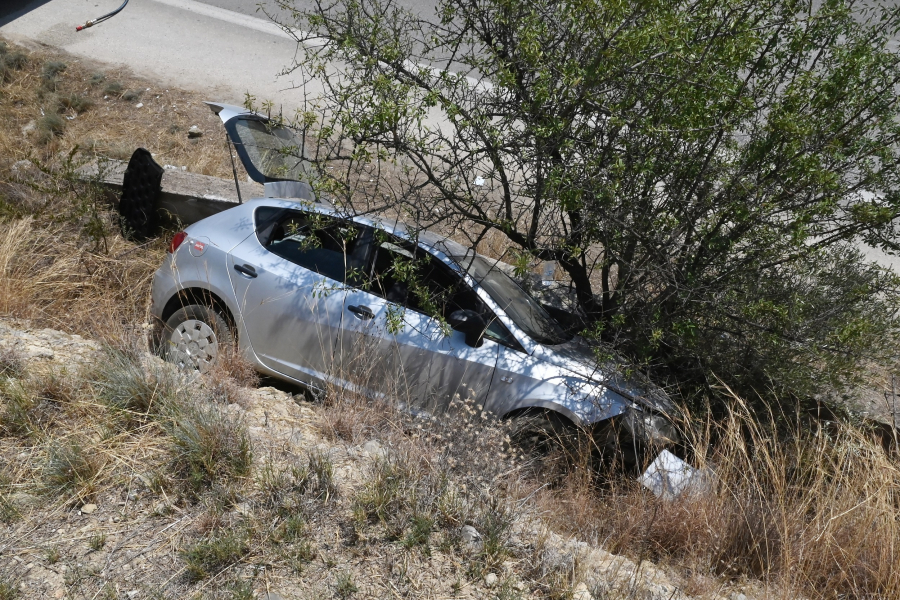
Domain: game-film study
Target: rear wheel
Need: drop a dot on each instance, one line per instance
(196, 337)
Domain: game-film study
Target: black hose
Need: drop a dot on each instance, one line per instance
(101, 19)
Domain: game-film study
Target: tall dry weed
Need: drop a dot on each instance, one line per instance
(810, 512)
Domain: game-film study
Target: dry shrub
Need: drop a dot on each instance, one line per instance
(209, 446)
(50, 275)
(133, 389)
(811, 512)
(12, 362)
(229, 379)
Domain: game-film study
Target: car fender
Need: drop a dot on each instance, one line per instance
(524, 381)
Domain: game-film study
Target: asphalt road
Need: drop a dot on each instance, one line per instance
(423, 7)
(184, 43)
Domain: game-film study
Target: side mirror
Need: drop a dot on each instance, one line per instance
(470, 323)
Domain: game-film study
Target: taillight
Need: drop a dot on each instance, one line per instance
(176, 241)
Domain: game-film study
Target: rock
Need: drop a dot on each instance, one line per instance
(132, 594)
(27, 130)
(490, 580)
(194, 132)
(373, 449)
(139, 105)
(471, 539)
(88, 509)
(581, 592)
(271, 596)
(737, 596)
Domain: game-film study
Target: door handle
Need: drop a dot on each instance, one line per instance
(246, 270)
(361, 312)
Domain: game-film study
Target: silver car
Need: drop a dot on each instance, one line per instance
(318, 298)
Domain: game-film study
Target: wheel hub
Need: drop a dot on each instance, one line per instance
(193, 345)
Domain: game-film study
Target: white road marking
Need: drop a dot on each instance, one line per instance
(229, 16)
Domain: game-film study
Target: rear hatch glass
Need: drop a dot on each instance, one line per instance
(268, 151)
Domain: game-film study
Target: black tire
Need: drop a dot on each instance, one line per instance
(618, 448)
(196, 337)
(549, 439)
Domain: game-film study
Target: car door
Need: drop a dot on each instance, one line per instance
(420, 360)
(379, 348)
(456, 369)
(289, 282)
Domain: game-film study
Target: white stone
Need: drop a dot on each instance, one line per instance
(581, 592)
(88, 508)
(490, 580)
(373, 449)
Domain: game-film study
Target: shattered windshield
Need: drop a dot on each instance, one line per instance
(524, 310)
(275, 152)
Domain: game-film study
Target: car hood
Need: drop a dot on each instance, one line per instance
(577, 356)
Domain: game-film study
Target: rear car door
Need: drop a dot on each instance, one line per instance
(289, 282)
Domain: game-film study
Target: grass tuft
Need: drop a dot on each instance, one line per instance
(344, 586)
(15, 60)
(12, 362)
(208, 446)
(122, 382)
(50, 80)
(53, 68)
(50, 126)
(71, 469)
(113, 88)
(76, 102)
(8, 589)
(132, 95)
(97, 541)
(213, 554)
(19, 413)
(9, 62)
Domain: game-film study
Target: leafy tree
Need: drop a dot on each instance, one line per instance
(704, 171)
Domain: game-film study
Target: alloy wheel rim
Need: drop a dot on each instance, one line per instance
(193, 345)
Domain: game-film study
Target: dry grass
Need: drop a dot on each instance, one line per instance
(809, 513)
(99, 112)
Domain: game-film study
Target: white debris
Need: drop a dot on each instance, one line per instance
(139, 105)
(668, 477)
(479, 181)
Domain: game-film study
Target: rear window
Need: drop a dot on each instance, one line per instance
(269, 152)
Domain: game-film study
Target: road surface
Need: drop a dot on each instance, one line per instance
(185, 43)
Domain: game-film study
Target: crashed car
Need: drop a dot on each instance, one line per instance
(315, 297)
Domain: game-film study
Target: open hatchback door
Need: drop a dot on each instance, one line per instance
(272, 154)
